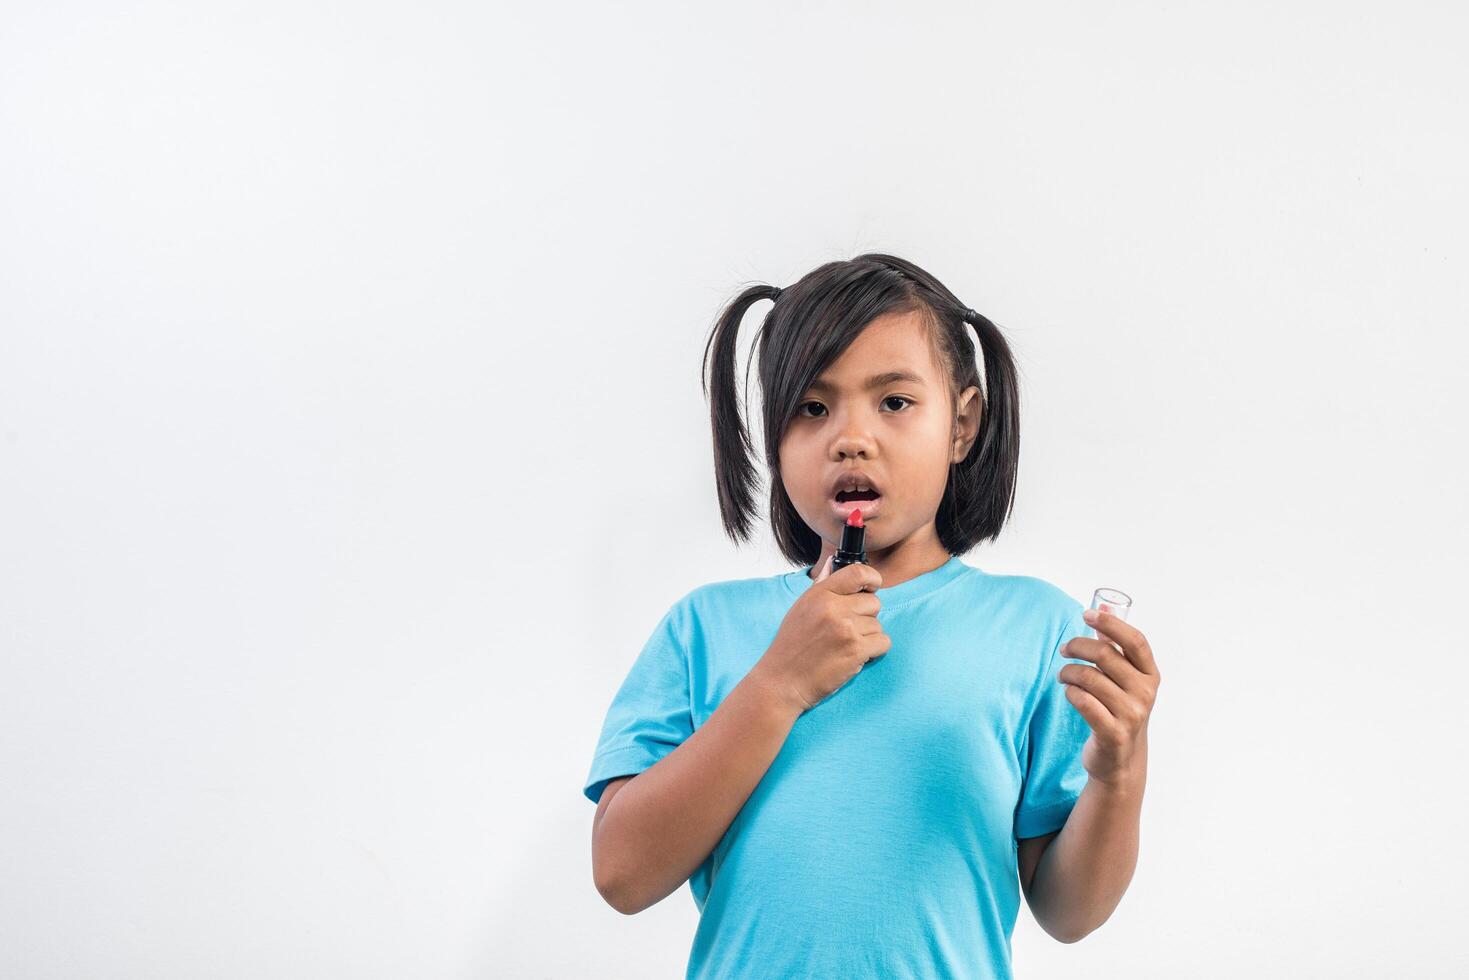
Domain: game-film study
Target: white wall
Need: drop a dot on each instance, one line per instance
(323, 326)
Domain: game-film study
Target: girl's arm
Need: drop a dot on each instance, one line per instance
(1083, 873)
(666, 820)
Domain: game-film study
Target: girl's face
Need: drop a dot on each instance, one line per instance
(881, 411)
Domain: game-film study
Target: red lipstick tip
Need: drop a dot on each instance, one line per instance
(855, 517)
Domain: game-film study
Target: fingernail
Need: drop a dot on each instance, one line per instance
(1090, 615)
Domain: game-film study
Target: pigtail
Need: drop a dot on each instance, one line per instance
(734, 474)
(986, 477)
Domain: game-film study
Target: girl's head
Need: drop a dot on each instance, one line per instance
(867, 366)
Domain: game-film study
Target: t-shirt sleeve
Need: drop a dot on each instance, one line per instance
(650, 715)
(1053, 773)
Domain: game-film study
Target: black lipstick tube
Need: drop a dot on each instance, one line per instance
(854, 547)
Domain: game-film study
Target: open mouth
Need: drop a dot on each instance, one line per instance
(855, 496)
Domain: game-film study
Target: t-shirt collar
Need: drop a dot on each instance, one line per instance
(799, 581)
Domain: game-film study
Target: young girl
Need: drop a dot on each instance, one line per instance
(855, 770)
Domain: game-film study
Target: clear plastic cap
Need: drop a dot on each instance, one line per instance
(1113, 601)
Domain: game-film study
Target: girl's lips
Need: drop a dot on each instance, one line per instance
(869, 508)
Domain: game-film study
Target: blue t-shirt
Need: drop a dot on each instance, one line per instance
(882, 839)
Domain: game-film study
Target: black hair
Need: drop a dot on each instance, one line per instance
(811, 323)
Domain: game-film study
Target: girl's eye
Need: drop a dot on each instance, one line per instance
(889, 398)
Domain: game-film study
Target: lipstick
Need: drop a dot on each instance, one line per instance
(854, 542)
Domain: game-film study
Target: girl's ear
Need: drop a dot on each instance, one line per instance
(966, 423)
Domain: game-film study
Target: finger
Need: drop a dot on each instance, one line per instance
(1098, 685)
(875, 646)
(1109, 660)
(1095, 713)
(863, 604)
(825, 568)
(1129, 638)
(853, 579)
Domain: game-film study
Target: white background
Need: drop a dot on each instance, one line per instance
(330, 332)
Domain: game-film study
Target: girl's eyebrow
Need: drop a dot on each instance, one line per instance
(876, 381)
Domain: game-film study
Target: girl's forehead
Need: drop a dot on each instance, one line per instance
(896, 344)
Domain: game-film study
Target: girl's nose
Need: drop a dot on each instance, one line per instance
(852, 444)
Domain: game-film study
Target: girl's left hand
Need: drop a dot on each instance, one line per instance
(1115, 697)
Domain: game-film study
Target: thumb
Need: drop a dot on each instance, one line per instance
(825, 569)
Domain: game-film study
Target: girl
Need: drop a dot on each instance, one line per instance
(855, 770)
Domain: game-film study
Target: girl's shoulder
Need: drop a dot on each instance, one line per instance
(1031, 591)
(1035, 587)
(736, 593)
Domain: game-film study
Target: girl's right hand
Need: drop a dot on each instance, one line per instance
(826, 636)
